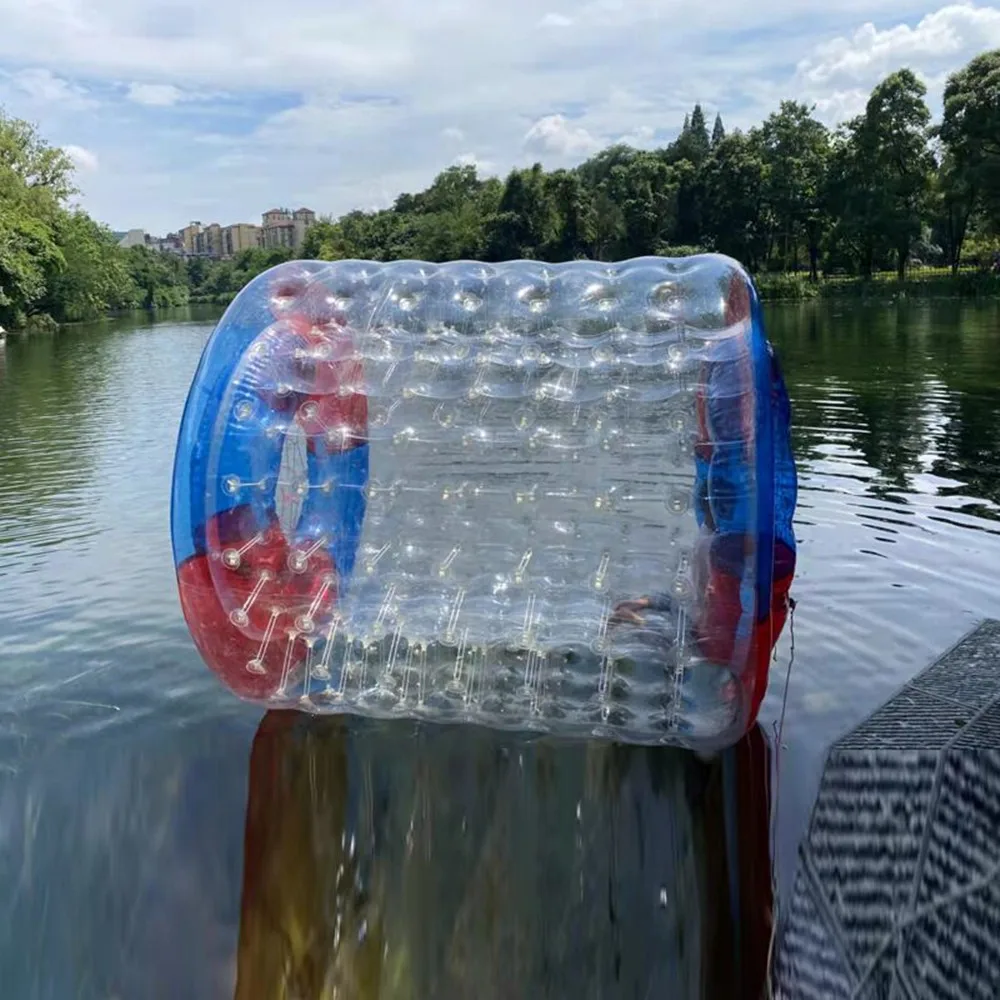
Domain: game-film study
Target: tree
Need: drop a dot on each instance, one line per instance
(795, 149)
(953, 200)
(523, 219)
(970, 133)
(895, 137)
(698, 139)
(644, 189)
(718, 131)
(880, 172)
(609, 226)
(162, 279)
(91, 275)
(734, 179)
(34, 178)
(27, 253)
(693, 143)
(575, 227)
(37, 164)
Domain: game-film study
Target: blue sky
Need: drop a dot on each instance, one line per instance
(179, 109)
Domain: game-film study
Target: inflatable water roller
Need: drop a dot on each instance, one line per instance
(525, 495)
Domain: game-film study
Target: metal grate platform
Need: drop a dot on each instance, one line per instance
(897, 893)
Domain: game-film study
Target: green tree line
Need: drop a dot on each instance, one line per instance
(790, 198)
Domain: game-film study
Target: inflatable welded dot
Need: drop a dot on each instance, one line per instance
(538, 495)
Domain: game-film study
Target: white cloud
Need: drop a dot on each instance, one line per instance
(344, 105)
(484, 168)
(840, 105)
(155, 95)
(555, 21)
(956, 30)
(42, 86)
(554, 134)
(840, 72)
(83, 159)
(640, 136)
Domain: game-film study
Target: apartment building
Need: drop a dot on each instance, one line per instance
(283, 228)
(210, 242)
(239, 237)
(189, 238)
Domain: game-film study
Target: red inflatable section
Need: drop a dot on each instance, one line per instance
(252, 631)
(274, 594)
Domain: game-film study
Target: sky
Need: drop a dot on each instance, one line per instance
(181, 110)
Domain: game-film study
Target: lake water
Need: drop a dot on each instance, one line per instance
(159, 838)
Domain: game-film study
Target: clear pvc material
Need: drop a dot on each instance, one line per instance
(523, 494)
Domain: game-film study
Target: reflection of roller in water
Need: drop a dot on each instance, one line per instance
(407, 862)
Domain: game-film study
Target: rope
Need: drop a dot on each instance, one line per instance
(779, 733)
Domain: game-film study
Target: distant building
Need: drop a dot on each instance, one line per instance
(283, 228)
(239, 237)
(210, 241)
(134, 238)
(302, 220)
(171, 243)
(278, 229)
(189, 238)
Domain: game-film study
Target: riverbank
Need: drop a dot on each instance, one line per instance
(924, 283)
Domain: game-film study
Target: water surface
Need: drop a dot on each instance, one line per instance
(135, 792)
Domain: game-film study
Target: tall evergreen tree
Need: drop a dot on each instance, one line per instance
(719, 131)
(698, 134)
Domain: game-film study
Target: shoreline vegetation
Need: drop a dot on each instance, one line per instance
(886, 206)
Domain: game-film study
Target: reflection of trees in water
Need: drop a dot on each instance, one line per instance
(969, 448)
(388, 861)
(899, 382)
(63, 397)
(48, 400)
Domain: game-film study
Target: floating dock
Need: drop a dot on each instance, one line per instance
(897, 892)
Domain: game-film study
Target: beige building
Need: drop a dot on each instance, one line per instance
(302, 220)
(210, 241)
(283, 228)
(239, 237)
(189, 237)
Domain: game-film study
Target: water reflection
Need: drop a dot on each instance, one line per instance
(120, 861)
(909, 393)
(894, 420)
(399, 861)
(123, 765)
(387, 860)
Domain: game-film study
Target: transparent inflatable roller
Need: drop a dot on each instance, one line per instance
(524, 495)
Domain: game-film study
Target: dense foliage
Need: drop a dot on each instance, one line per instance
(790, 198)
